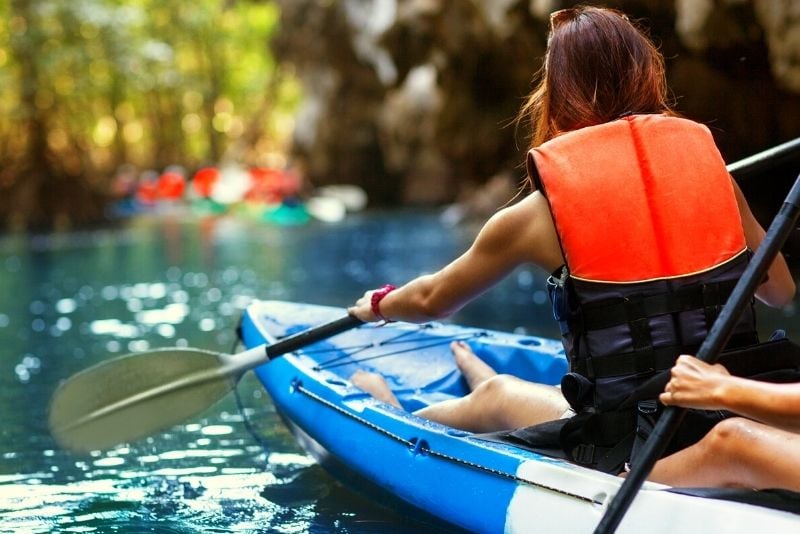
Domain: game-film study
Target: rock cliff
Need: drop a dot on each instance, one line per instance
(414, 100)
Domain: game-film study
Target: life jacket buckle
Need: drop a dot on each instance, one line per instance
(634, 308)
(648, 407)
(583, 453)
(583, 366)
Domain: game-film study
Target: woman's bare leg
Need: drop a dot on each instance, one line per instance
(501, 402)
(474, 369)
(497, 402)
(737, 452)
(375, 385)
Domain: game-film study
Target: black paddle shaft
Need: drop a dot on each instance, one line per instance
(765, 160)
(307, 337)
(709, 351)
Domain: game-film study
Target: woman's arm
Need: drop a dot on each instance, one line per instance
(779, 289)
(514, 235)
(696, 384)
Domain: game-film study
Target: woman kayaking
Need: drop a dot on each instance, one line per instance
(645, 232)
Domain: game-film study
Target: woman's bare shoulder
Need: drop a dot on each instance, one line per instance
(527, 228)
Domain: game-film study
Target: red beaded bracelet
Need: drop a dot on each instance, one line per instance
(377, 297)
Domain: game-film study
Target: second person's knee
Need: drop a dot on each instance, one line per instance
(728, 435)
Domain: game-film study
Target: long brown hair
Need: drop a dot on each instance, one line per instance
(599, 67)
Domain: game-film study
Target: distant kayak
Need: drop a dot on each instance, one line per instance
(452, 475)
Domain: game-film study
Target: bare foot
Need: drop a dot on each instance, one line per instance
(375, 385)
(475, 370)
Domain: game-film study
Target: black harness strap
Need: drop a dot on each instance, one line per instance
(713, 299)
(533, 173)
(640, 361)
(710, 297)
(538, 185)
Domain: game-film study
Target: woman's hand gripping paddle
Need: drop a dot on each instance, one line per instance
(136, 395)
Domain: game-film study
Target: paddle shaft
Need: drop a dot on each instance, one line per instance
(235, 365)
(249, 359)
(709, 351)
(312, 335)
(765, 159)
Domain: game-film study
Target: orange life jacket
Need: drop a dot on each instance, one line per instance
(653, 242)
(640, 198)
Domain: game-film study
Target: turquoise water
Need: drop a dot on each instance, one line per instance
(70, 300)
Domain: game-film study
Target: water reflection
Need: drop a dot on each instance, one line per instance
(70, 300)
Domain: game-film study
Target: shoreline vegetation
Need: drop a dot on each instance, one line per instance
(93, 87)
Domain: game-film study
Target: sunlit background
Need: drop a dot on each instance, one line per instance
(164, 163)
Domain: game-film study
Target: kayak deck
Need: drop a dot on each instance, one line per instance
(416, 360)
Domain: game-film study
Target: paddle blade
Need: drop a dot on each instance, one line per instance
(136, 395)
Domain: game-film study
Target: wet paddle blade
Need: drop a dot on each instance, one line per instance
(134, 396)
(137, 395)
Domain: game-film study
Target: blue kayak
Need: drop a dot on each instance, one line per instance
(455, 476)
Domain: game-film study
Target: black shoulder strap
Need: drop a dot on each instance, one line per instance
(533, 173)
(538, 185)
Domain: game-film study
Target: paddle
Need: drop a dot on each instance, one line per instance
(709, 351)
(136, 395)
(766, 159)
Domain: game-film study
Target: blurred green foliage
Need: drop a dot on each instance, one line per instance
(89, 85)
